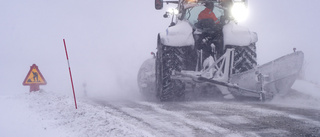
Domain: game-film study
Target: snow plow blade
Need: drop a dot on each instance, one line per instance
(263, 82)
(280, 74)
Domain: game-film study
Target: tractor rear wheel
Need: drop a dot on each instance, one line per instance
(171, 59)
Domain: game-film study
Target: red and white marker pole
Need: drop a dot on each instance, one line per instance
(74, 95)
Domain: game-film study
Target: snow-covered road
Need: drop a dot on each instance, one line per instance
(48, 114)
(211, 118)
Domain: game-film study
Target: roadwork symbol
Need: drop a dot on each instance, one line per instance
(34, 78)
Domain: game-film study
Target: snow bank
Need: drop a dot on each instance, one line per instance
(178, 35)
(46, 114)
(17, 120)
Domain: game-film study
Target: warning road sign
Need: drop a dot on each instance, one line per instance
(34, 77)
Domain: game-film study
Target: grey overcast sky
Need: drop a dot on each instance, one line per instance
(107, 40)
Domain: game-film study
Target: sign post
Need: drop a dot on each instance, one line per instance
(34, 78)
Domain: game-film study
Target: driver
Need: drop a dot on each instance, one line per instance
(208, 13)
(208, 42)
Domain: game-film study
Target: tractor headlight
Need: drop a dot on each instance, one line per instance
(239, 11)
(173, 11)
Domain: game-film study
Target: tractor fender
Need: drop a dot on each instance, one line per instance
(234, 34)
(178, 35)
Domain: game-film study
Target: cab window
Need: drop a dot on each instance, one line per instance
(193, 13)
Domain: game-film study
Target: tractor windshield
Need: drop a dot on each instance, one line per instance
(192, 12)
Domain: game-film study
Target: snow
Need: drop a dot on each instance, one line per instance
(18, 119)
(308, 88)
(49, 115)
(146, 74)
(304, 94)
(181, 35)
(238, 35)
(178, 35)
(236, 119)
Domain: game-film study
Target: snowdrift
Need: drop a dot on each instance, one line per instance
(50, 115)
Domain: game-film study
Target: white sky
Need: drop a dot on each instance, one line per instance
(107, 41)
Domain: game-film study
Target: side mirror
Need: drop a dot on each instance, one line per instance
(158, 4)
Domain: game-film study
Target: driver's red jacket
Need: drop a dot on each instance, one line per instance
(208, 14)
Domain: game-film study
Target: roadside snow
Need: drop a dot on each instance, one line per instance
(18, 119)
(48, 115)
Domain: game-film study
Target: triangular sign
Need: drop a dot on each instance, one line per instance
(34, 77)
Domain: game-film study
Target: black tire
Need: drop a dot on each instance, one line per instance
(171, 59)
(245, 58)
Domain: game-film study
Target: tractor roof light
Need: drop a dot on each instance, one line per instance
(239, 11)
